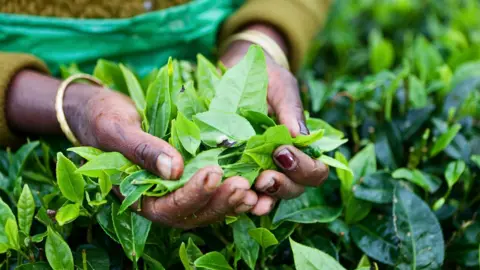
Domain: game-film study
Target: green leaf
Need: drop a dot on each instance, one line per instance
(218, 127)
(454, 171)
(38, 238)
(260, 148)
(95, 258)
(327, 144)
(307, 258)
(420, 234)
(309, 207)
(153, 263)
(356, 210)
(247, 245)
(134, 88)
(109, 163)
(426, 58)
(258, 120)
(334, 163)
(188, 133)
(25, 210)
(427, 182)
(306, 140)
(189, 254)
(67, 214)
(133, 196)
(382, 53)
(376, 188)
(105, 184)
(104, 219)
(70, 182)
(159, 104)
(244, 85)
(58, 252)
(445, 139)
(189, 102)
(417, 94)
(86, 152)
(322, 244)
(207, 77)
(363, 163)
(111, 75)
(19, 159)
(375, 236)
(364, 262)
(132, 232)
(213, 261)
(314, 124)
(11, 229)
(263, 237)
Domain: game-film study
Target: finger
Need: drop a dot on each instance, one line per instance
(264, 205)
(287, 107)
(299, 167)
(248, 202)
(187, 200)
(278, 185)
(231, 194)
(148, 151)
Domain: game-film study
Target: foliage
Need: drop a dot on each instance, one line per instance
(402, 89)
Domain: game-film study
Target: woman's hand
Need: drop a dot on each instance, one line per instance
(299, 170)
(108, 120)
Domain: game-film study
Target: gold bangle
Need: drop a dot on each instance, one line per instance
(264, 41)
(62, 120)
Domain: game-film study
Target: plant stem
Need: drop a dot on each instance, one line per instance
(220, 236)
(230, 155)
(19, 252)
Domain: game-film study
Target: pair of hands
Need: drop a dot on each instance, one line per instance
(108, 120)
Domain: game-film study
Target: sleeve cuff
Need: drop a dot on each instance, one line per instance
(10, 65)
(295, 19)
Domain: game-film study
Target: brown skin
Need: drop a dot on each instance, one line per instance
(108, 120)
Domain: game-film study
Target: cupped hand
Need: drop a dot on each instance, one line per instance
(298, 169)
(108, 120)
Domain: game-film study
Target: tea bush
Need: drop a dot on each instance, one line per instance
(397, 81)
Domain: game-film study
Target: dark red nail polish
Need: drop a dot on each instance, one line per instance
(285, 159)
(273, 188)
(303, 128)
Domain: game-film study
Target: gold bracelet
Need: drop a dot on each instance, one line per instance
(62, 120)
(264, 41)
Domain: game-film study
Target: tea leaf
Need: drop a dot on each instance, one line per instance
(247, 245)
(417, 228)
(382, 53)
(363, 163)
(259, 121)
(213, 261)
(34, 266)
(189, 103)
(188, 133)
(58, 252)
(67, 214)
(453, 172)
(105, 184)
(377, 188)
(306, 140)
(312, 259)
(86, 152)
(263, 237)
(25, 210)
(334, 163)
(134, 88)
(207, 77)
(445, 139)
(189, 254)
(111, 75)
(11, 229)
(70, 182)
(108, 163)
(216, 127)
(244, 85)
(375, 236)
(19, 159)
(159, 104)
(95, 258)
(132, 232)
(309, 207)
(429, 183)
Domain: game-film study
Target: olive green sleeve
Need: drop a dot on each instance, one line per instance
(10, 65)
(298, 20)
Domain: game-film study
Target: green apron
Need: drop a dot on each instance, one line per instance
(142, 42)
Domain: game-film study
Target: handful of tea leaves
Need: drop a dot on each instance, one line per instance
(211, 119)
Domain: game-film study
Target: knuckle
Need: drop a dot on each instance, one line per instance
(144, 154)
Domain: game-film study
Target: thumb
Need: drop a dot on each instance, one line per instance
(289, 109)
(149, 152)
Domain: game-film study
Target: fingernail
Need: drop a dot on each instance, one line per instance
(285, 159)
(269, 184)
(303, 128)
(274, 188)
(164, 165)
(243, 208)
(212, 181)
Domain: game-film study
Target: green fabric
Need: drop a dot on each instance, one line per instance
(142, 42)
